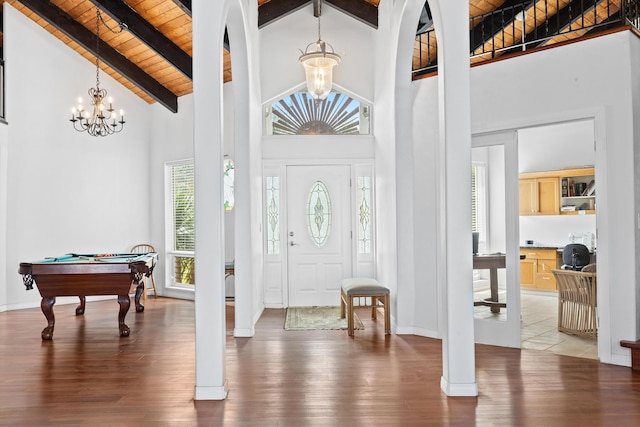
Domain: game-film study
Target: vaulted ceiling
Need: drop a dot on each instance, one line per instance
(152, 56)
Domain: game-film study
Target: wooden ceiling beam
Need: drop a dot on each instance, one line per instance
(361, 10)
(275, 9)
(148, 34)
(85, 38)
(185, 5)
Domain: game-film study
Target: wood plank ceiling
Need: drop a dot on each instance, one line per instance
(152, 58)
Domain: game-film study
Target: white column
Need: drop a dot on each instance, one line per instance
(454, 242)
(244, 265)
(208, 31)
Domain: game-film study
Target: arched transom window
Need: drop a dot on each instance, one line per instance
(300, 114)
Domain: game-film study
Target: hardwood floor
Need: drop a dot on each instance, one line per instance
(89, 376)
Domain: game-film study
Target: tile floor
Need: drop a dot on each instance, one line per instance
(539, 325)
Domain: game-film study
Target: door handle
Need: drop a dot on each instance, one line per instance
(293, 243)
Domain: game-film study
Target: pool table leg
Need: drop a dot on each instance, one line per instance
(124, 302)
(80, 307)
(47, 309)
(139, 290)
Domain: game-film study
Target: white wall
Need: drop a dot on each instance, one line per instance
(559, 89)
(557, 146)
(281, 42)
(68, 191)
(172, 140)
(4, 131)
(635, 86)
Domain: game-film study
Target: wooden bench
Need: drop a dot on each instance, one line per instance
(366, 293)
(635, 353)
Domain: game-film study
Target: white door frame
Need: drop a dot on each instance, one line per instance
(276, 291)
(494, 332)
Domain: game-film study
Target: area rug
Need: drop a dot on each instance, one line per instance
(316, 318)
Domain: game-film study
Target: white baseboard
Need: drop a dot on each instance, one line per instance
(458, 389)
(210, 393)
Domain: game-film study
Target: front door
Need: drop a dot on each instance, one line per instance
(318, 233)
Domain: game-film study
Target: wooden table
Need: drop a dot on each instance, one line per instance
(491, 263)
(88, 274)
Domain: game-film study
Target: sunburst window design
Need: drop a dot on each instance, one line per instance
(300, 114)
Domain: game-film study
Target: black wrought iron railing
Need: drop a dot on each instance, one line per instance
(631, 12)
(523, 25)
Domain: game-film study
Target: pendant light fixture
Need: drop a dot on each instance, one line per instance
(318, 64)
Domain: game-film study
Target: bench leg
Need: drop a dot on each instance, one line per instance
(342, 304)
(350, 315)
(387, 315)
(374, 307)
(635, 353)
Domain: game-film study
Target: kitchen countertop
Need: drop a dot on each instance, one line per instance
(559, 249)
(539, 247)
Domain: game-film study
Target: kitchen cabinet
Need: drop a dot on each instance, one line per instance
(559, 192)
(539, 196)
(577, 192)
(535, 268)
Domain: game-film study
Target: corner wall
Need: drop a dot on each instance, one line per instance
(66, 191)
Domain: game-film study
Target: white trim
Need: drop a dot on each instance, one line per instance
(249, 332)
(421, 332)
(210, 393)
(458, 389)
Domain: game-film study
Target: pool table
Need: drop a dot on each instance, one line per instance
(88, 274)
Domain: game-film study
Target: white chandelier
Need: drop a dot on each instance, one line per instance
(101, 120)
(318, 65)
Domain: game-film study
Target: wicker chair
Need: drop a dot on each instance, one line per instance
(577, 304)
(144, 248)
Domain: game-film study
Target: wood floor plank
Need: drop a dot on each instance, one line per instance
(89, 375)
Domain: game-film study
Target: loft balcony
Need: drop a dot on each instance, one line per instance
(518, 27)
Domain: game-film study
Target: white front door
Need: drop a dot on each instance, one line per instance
(318, 233)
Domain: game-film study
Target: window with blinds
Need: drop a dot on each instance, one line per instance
(479, 200)
(181, 224)
(183, 197)
(474, 199)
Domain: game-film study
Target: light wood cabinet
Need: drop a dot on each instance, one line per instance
(575, 184)
(539, 196)
(560, 192)
(535, 268)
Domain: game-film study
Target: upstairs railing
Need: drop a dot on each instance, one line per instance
(523, 25)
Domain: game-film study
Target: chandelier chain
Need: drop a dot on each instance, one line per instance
(121, 25)
(98, 18)
(319, 15)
